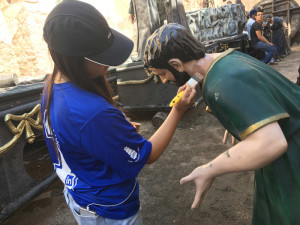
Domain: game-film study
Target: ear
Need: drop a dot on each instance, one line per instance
(176, 64)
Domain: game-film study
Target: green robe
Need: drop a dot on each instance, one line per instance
(245, 95)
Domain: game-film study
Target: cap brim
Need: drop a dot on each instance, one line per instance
(117, 53)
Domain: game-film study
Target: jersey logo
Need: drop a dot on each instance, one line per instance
(61, 167)
(71, 181)
(47, 130)
(132, 153)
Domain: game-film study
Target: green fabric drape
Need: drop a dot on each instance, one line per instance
(245, 95)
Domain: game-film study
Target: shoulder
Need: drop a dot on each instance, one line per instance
(242, 65)
(80, 104)
(256, 25)
(278, 19)
(250, 22)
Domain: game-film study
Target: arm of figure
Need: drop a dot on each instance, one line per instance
(259, 149)
(285, 25)
(164, 134)
(262, 38)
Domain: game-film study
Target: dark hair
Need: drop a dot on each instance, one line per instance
(259, 10)
(253, 12)
(171, 41)
(73, 68)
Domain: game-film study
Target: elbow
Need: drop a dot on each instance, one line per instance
(282, 145)
(151, 160)
(278, 147)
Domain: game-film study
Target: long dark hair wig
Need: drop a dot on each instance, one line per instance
(73, 68)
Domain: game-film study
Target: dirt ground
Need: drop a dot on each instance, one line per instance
(197, 140)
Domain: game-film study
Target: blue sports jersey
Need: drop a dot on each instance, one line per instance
(99, 152)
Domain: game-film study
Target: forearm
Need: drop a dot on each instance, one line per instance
(252, 153)
(263, 39)
(284, 25)
(164, 134)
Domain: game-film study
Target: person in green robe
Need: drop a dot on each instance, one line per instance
(255, 103)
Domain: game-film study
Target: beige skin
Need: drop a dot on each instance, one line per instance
(162, 137)
(259, 18)
(256, 151)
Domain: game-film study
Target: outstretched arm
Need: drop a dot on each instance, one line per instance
(259, 149)
(162, 137)
(285, 25)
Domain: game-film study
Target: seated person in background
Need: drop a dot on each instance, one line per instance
(251, 21)
(258, 41)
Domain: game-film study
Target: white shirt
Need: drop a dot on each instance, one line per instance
(249, 25)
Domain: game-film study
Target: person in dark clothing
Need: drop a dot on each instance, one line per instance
(278, 25)
(258, 41)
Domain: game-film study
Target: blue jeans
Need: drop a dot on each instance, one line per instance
(91, 219)
(267, 48)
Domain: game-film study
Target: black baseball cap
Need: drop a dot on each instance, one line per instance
(77, 29)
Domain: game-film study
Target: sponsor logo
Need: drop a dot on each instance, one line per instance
(70, 181)
(132, 153)
(47, 130)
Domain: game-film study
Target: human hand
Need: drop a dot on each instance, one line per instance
(136, 126)
(203, 182)
(187, 98)
(131, 18)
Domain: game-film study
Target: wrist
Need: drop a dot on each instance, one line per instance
(210, 170)
(178, 111)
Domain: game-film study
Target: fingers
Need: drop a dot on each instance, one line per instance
(199, 194)
(198, 199)
(189, 94)
(187, 99)
(181, 88)
(185, 180)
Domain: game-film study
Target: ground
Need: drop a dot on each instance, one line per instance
(197, 140)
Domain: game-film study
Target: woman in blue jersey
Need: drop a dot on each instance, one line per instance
(95, 151)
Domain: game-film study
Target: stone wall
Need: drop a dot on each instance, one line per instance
(23, 50)
(249, 4)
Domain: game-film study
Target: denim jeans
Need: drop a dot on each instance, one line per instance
(90, 219)
(267, 48)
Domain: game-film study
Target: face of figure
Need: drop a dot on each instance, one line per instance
(94, 69)
(164, 74)
(259, 17)
(174, 77)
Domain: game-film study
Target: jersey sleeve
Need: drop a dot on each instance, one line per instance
(109, 137)
(244, 103)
